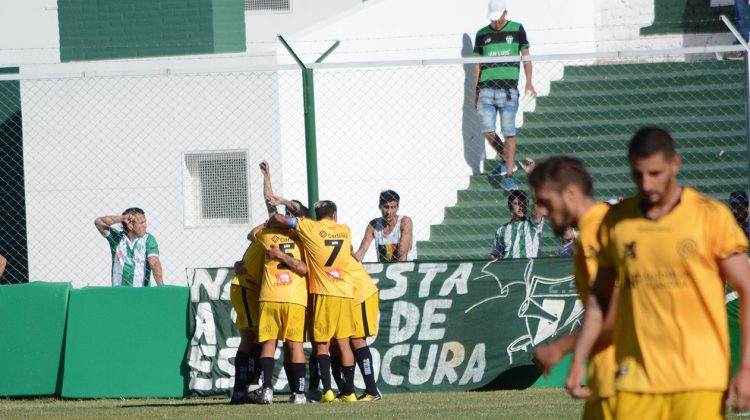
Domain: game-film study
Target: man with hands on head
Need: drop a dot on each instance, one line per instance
(135, 252)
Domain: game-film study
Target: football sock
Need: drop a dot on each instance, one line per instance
(336, 370)
(266, 365)
(364, 361)
(314, 373)
(347, 380)
(253, 367)
(296, 375)
(324, 366)
(240, 371)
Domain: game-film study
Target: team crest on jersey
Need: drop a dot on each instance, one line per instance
(509, 39)
(322, 234)
(334, 274)
(687, 248)
(275, 239)
(283, 278)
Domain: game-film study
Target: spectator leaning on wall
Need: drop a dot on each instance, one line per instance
(135, 252)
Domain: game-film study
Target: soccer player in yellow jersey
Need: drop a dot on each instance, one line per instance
(283, 302)
(244, 293)
(327, 254)
(563, 193)
(668, 248)
(365, 313)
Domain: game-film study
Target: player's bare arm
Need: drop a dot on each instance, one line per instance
(737, 272)
(3, 264)
(294, 264)
(278, 221)
(406, 234)
(265, 168)
(548, 356)
(239, 268)
(593, 324)
(527, 71)
(156, 267)
(254, 231)
(103, 223)
(366, 241)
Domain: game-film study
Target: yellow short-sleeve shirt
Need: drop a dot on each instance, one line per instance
(671, 330)
(327, 252)
(362, 283)
(280, 283)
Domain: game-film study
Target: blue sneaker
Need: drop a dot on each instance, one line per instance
(502, 169)
(509, 183)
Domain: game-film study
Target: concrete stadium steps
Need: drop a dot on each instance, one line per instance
(591, 114)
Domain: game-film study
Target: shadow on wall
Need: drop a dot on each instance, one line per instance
(470, 128)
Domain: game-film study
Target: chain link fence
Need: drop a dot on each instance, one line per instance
(185, 147)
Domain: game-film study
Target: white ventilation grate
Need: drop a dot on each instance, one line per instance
(215, 188)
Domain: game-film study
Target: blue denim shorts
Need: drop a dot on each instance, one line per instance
(490, 102)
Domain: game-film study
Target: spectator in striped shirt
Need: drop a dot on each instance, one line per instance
(519, 238)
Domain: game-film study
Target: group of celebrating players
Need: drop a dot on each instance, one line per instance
(299, 282)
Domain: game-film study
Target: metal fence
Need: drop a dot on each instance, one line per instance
(185, 146)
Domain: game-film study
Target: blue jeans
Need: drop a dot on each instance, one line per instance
(490, 102)
(741, 10)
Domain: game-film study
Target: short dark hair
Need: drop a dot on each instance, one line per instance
(303, 211)
(649, 141)
(324, 209)
(520, 195)
(387, 196)
(131, 210)
(557, 172)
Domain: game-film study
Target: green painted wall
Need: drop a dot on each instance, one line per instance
(687, 17)
(13, 244)
(99, 30)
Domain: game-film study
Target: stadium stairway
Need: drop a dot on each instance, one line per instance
(590, 114)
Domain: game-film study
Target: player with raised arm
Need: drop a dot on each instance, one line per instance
(563, 193)
(283, 313)
(669, 249)
(327, 254)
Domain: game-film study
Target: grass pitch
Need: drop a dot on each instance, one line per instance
(528, 404)
(537, 403)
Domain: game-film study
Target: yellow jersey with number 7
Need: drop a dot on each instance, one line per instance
(327, 253)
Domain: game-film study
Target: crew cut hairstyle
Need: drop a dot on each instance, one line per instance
(132, 210)
(324, 208)
(649, 141)
(388, 196)
(557, 172)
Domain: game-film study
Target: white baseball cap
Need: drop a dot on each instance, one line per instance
(495, 9)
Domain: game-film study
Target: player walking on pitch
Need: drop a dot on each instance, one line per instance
(563, 193)
(669, 248)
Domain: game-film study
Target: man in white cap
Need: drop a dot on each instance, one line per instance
(496, 85)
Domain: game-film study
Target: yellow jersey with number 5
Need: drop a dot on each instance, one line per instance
(280, 282)
(671, 329)
(327, 252)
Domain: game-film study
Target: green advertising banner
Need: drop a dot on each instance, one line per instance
(442, 326)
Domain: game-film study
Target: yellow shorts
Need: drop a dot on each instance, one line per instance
(245, 303)
(332, 318)
(282, 321)
(366, 317)
(704, 405)
(600, 409)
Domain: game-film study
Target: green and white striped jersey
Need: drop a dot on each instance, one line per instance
(508, 41)
(130, 265)
(519, 239)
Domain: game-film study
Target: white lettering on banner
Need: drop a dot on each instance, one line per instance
(195, 360)
(394, 272)
(200, 384)
(475, 367)
(227, 353)
(204, 324)
(459, 279)
(430, 270)
(388, 376)
(212, 285)
(430, 317)
(451, 356)
(417, 375)
(373, 269)
(410, 313)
